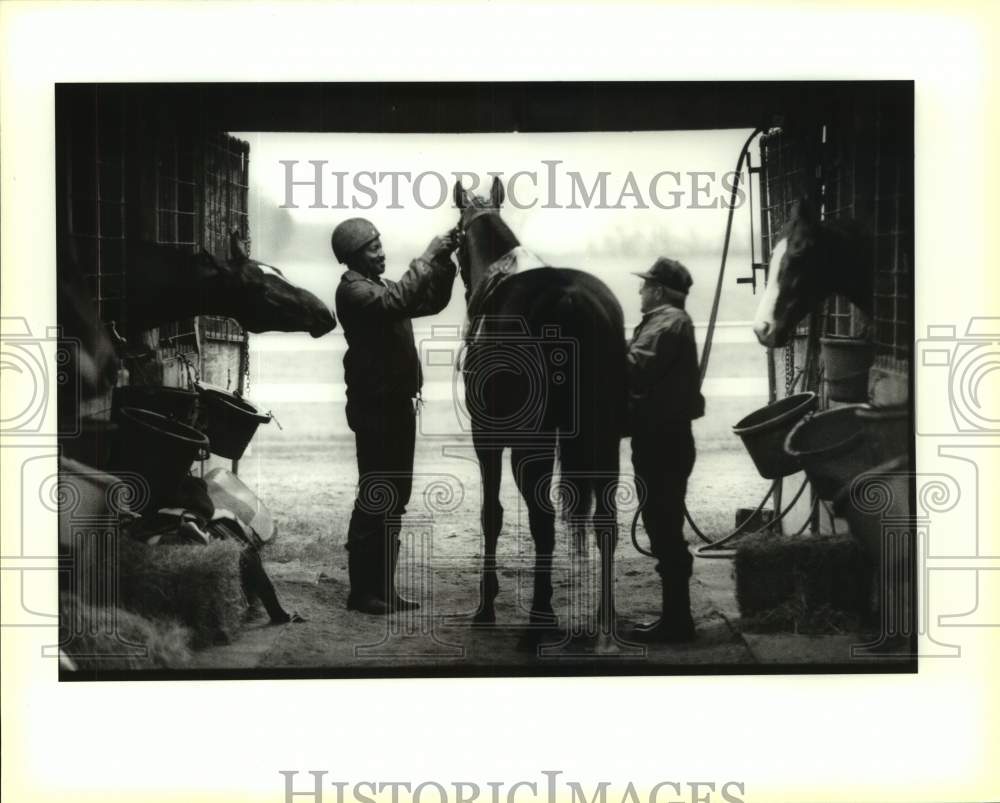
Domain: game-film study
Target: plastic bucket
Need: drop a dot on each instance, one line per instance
(846, 361)
(158, 449)
(831, 448)
(176, 403)
(228, 420)
(887, 431)
(764, 431)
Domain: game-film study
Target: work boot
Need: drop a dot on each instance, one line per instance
(675, 625)
(365, 570)
(396, 602)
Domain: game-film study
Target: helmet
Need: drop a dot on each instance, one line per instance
(350, 236)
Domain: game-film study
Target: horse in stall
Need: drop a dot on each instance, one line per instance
(811, 261)
(544, 372)
(167, 284)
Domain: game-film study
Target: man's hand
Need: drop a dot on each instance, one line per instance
(441, 246)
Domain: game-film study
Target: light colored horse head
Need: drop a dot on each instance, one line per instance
(811, 261)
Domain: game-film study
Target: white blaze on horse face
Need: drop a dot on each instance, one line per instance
(270, 270)
(763, 324)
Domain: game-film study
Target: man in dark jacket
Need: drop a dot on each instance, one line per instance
(383, 377)
(664, 397)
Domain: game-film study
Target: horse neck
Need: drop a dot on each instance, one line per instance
(848, 264)
(488, 239)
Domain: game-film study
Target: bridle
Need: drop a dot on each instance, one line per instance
(462, 232)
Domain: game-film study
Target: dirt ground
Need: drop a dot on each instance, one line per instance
(309, 487)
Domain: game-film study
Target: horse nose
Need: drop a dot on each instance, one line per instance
(763, 331)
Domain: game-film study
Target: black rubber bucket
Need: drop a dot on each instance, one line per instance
(175, 403)
(831, 448)
(764, 432)
(158, 449)
(229, 421)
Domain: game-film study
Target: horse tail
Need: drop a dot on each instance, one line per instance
(592, 401)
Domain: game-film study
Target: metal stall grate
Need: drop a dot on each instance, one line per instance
(857, 166)
(176, 215)
(226, 163)
(893, 301)
(838, 199)
(787, 175)
(95, 169)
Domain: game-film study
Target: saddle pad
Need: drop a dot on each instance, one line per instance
(229, 493)
(517, 260)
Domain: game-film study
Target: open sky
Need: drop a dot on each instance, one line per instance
(624, 233)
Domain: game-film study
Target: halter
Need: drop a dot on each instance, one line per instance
(462, 229)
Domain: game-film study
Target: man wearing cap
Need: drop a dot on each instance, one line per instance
(383, 377)
(664, 397)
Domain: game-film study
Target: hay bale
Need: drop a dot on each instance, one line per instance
(99, 638)
(817, 583)
(197, 585)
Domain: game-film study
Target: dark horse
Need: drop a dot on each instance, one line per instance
(544, 371)
(168, 284)
(811, 261)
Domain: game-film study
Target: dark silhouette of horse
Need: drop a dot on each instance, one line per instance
(544, 372)
(166, 284)
(811, 261)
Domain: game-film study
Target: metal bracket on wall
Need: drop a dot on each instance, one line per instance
(752, 278)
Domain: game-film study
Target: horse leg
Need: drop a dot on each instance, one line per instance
(532, 469)
(606, 531)
(492, 521)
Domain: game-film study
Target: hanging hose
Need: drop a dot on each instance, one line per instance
(710, 545)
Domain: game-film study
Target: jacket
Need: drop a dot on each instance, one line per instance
(663, 375)
(381, 358)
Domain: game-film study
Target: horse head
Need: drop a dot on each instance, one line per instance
(267, 301)
(168, 284)
(483, 235)
(810, 261)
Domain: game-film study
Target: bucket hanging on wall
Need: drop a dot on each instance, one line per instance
(846, 361)
(764, 431)
(175, 403)
(831, 448)
(229, 420)
(158, 449)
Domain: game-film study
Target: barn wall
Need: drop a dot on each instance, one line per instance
(136, 166)
(854, 162)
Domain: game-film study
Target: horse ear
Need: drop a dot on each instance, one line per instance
(496, 193)
(804, 211)
(237, 247)
(461, 196)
